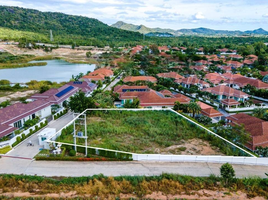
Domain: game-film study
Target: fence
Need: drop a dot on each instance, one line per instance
(251, 108)
(199, 158)
(26, 132)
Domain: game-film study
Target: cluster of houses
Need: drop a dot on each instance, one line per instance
(229, 89)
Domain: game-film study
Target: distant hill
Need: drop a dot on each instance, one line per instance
(197, 31)
(65, 28)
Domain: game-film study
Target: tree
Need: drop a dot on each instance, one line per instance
(79, 102)
(88, 54)
(99, 84)
(44, 88)
(227, 173)
(194, 108)
(134, 104)
(154, 49)
(259, 112)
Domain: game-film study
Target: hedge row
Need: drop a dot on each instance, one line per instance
(106, 153)
(61, 113)
(74, 159)
(19, 139)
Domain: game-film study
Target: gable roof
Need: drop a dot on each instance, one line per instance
(211, 112)
(154, 98)
(104, 71)
(15, 112)
(170, 75)
(140, 78)
(257, 128)
(123, 88)
(227, 91)
(243, 81)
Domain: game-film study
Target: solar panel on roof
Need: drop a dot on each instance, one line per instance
(63, 92)
(78, 82)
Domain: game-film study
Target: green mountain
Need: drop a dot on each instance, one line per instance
(197, 31)
(65, 28)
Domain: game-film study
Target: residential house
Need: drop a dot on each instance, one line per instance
(187, 82)
(126, 88)
(214, 78)
(150, 98)
(227, 95)
(140, 78)
(241, 82)
(163, 49)
(174, 75)
(13, 117)
(98, 74)
(210, 112)
(257, 128)
(234, 64)
(235, 57)
(136, 49)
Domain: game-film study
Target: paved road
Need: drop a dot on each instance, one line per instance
(75, 169)
(22, 150)
(109, 87)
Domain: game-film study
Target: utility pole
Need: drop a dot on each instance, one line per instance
(51, 36)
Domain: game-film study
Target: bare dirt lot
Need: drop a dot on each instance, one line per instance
(71, 55)
(201, 194)
(15, 96)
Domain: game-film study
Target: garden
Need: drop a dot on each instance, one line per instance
(150, 132)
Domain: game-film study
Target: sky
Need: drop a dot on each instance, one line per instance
(175, 14)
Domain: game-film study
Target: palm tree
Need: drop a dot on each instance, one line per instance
(259, 112)
(194, 108)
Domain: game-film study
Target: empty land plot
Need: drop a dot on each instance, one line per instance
(161, 132)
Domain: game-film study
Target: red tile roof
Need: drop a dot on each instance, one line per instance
(119, 88)
(103, 71)
(140, 78)
(243, 81)
(153, 98)
(264, 73)
(192, 81)
(234, 64)
(227, 91)
(215, 78)
(163, 48)
(230, 102)
(170, 75)
(257, 128)
(211, 112)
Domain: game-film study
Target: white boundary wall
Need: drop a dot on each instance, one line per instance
(199, 158)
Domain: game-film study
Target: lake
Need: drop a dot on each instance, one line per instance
(55, 70)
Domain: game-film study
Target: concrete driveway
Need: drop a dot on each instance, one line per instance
(24, 151)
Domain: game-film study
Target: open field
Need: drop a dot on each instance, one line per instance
(156, 132)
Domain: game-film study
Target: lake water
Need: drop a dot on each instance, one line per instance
(55, 70)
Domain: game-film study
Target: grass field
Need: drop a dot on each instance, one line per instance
(148, 132)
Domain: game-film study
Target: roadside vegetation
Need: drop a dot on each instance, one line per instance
(133, 187)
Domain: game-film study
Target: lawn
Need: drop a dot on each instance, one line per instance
(4, 150)
(147, 132)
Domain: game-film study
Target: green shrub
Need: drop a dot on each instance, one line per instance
(23, 136)
(227, 173)
(72, 153)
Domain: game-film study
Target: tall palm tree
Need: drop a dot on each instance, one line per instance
(194, 108)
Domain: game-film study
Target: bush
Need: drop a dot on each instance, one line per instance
(23, 136)
(227, 173)
(72, 153)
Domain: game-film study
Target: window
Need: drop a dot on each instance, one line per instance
(18, 124)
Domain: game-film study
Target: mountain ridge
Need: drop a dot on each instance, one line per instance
(194, 31)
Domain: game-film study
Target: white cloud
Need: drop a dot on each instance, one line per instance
(198, 16)
(265, 15)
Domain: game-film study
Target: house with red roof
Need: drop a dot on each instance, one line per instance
(174, 75)
(234, 64)
(192, 80)
(257, 128)
(241, 82)
(214, 78)
(163, 48)
(150, 98)
(98, 74)
(227, 95)
(140, 78)
(210, 112)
